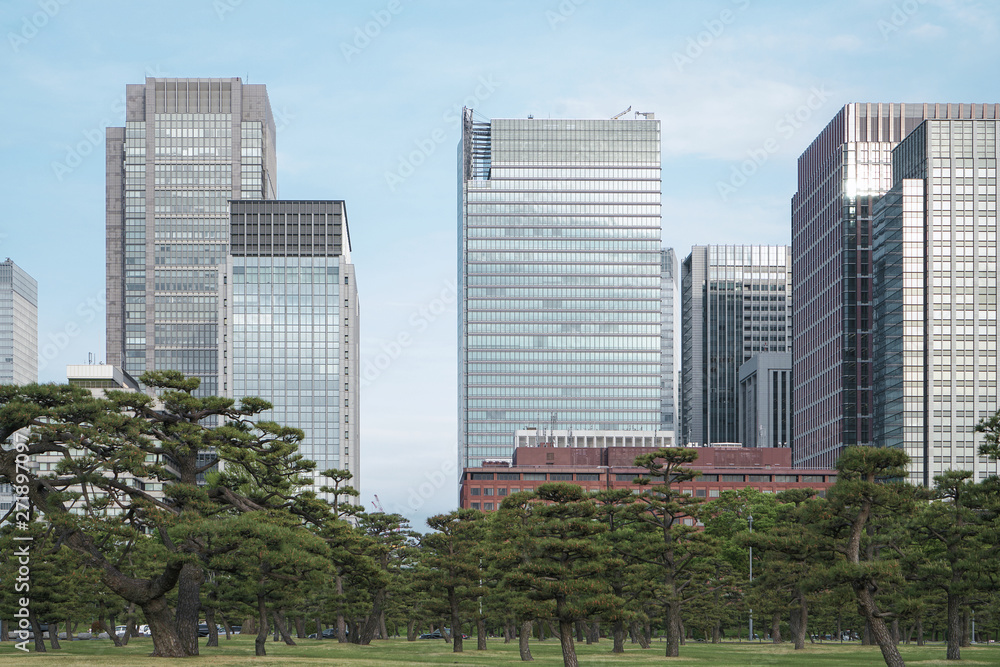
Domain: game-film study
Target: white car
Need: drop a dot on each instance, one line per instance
(144, 630)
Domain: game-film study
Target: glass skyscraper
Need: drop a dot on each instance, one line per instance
(18, 325)
(291, 317)
(187, 148)
(935, 295)
(559, 274)
(841, 176)
(736, 303)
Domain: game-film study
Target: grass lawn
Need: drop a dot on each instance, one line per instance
(239, 651)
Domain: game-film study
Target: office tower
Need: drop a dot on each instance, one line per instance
(670, 339)
(187, 148)
(766, 400)
(736, 302)
(18, 325)
(935, 295)
(291, 316)
(559, 278)
(841, 175)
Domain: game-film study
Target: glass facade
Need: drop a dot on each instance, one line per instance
(291, 318)
(670, 339)
(842, 175)
(187, 148)
(736, 303)
(18, 325)
(559, 272)
(935, 286)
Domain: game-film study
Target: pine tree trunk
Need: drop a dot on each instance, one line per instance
(384, 631)
(618, 632)
(36, 628)
(110, 629)
(647, 635)
(866, 637)
(920, 630)
(213, 629)
(578, 627)
(522, 642)
(775, 628)
(966, 626)
(456, 621)
(260, 643)
(480, 634)
(69, 631)
(866, 601)
(954, 651)
(189, 605)
(411, 634)
(5, 633)
(566, 642)
(226, 626)
(895, 631)
(595, 631)
(54, 636)
(802, 618)
(163, 628)
(282, 627)
(673, 627)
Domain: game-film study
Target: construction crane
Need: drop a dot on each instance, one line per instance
(617, 116)
(378, 505)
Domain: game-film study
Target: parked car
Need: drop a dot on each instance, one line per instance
(329, 633)
(432, 635)
(121, 629)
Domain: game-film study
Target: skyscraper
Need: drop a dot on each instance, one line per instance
(187, 148)
(670, 340)
(559, 278)
(18, 325)
(291, 316)
(841, 175)
(935, 295)
(736, 302)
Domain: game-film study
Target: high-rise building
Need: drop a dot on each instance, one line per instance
(559, 278)
(670, 339)
(291, 315)
(187, 148)
(935, 295)
(18, 325)
(736, 303)
(841, 175)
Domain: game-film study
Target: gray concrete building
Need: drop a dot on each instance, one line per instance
(765, 401)
(187, 148)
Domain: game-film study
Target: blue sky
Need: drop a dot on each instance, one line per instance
(366, 97)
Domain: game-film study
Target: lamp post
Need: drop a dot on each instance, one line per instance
(751, 576)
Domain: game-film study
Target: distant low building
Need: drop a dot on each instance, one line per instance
(769, 470)
(766, 400)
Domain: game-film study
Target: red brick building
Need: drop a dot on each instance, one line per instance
(768, 470)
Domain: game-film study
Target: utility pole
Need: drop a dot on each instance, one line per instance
(751, 576)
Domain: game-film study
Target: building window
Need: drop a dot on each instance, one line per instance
(488, 506)
(588, 477)
(561, 477)
(487, 492)
(732, 478)
(481, 475)
(760, 478)
(475, 506)
(699, 493)
(475, 491)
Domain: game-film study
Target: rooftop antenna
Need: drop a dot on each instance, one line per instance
(619, 115)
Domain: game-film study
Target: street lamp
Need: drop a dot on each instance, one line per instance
(751, 576)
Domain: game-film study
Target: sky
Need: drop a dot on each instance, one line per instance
(367, 98)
